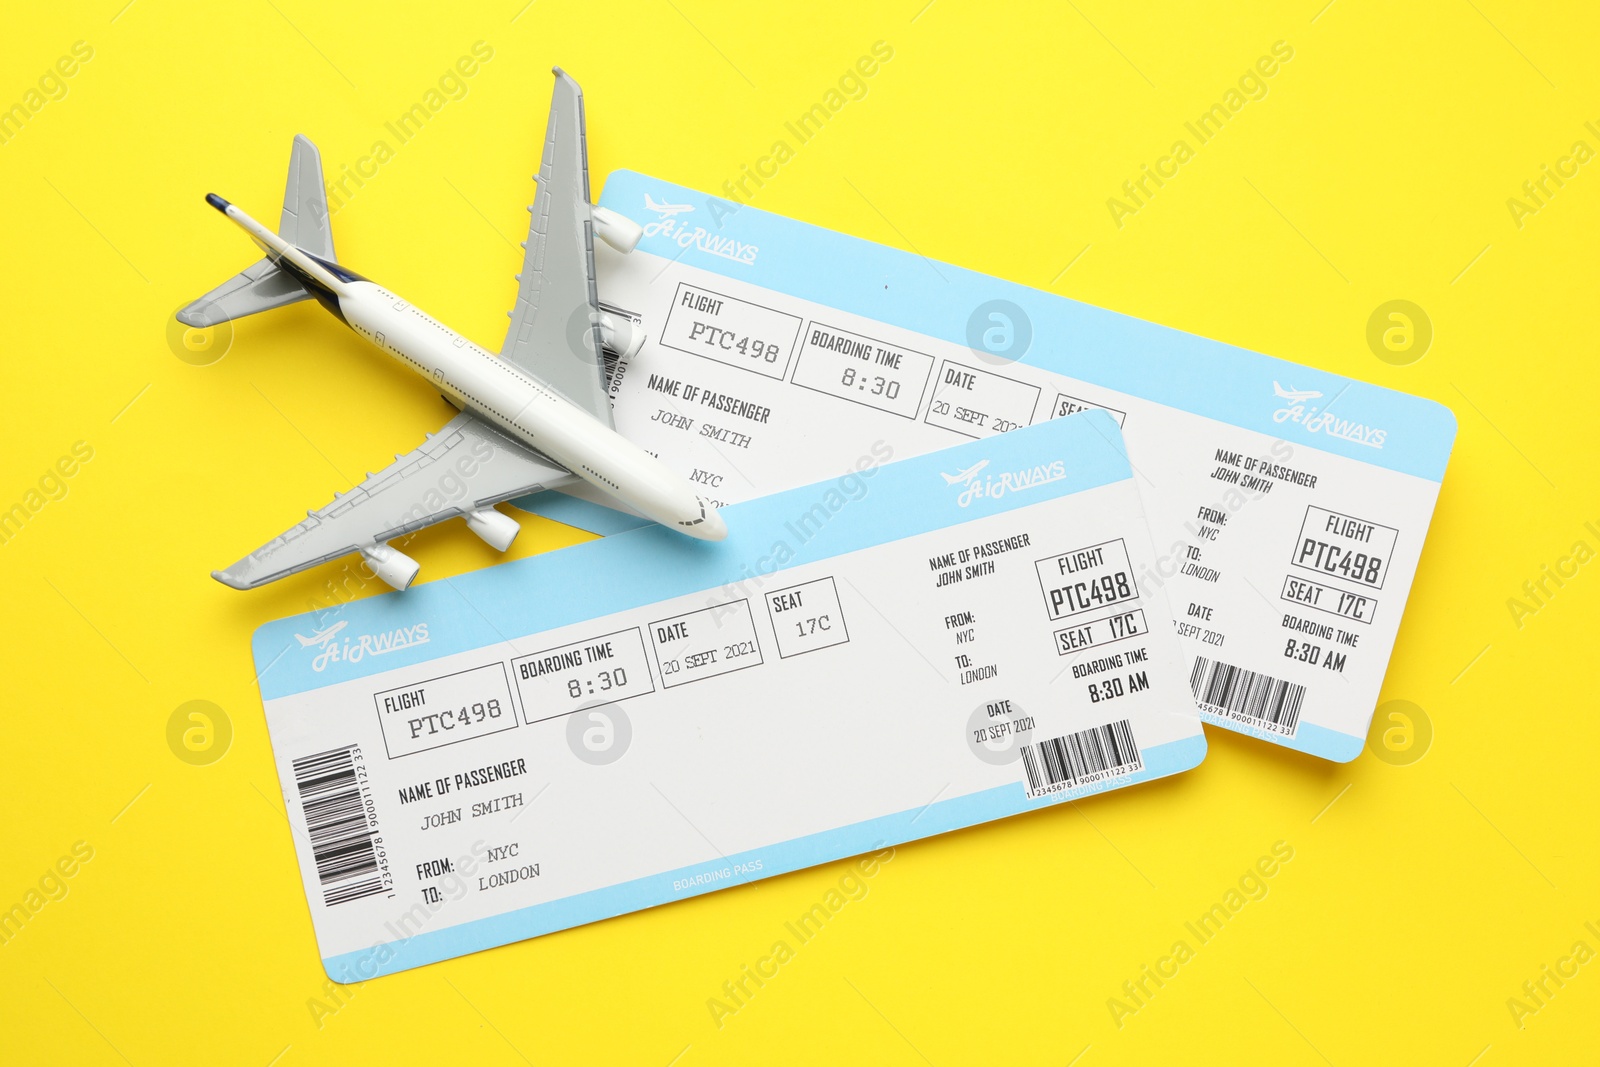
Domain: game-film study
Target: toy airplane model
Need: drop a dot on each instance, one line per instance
(529, 418)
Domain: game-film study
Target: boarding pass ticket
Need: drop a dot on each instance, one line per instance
(1288, 504)
(646, 717)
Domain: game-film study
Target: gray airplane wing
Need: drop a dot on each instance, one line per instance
(465, 466)
(552, 334)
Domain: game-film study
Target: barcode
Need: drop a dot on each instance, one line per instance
(344, 838)
(1269, 703)
(610, 357)
(1076, 759)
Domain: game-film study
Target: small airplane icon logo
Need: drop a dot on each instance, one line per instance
(666, 211)
(967, 475)
(322, 637)
(1293, 395)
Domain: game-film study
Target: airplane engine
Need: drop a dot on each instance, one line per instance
(618, 231)
(496, 528)
(392, 565)
(620, 336)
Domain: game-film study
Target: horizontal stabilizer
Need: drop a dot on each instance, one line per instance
(259, 287)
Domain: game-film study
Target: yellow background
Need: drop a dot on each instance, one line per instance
(1421, 895)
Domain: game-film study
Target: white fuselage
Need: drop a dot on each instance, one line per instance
(497, 391)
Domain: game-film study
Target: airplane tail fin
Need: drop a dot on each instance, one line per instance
(263, 286)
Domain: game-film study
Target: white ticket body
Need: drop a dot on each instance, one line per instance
(1288, 505)
(915, 646)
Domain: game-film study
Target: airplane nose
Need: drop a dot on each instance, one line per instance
(713, 529)
(710, 527)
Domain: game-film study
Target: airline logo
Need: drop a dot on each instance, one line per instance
(995, 485)
(331, 648)
(1314, 420)
(685, 235)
